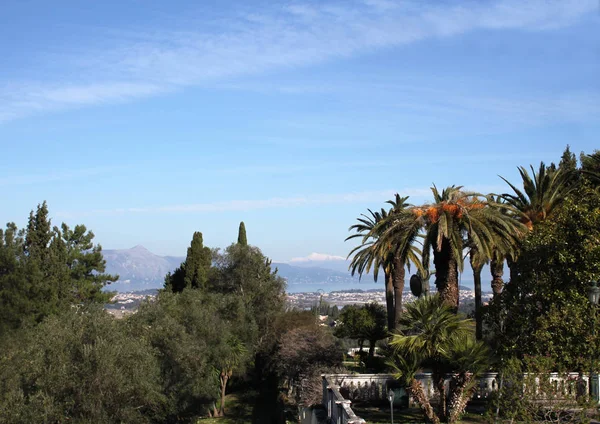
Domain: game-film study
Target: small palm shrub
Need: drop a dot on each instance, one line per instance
(432, 337)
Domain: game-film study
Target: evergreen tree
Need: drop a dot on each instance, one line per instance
(84, 261)
(568, 161)
(197, 263)
(242, 240)
(44, 270)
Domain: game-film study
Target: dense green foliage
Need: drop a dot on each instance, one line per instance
(544, 309)
(192, 333)
(80, 366)
(171, 362)
(237, 295)
(45, 269)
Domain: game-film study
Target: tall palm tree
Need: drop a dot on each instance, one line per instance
(505, 236)
(398, 235)
(457, 220)
(387, 242)
(368, 256)
(543, 191)
(499, 255)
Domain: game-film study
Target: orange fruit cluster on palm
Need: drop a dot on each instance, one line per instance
(457, 209)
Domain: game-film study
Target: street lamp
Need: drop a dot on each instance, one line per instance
(594, 293)
(391, 399)
(594, 297)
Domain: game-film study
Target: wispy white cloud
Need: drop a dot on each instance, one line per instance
(20, 100)
(145, 64)
(416, 195)
(318, 257)
(52, 177)
(247, 205)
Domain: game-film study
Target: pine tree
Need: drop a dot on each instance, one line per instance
(44, 270)
(84, 262)
(242, 240)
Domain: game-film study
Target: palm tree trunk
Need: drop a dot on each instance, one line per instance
(398, 273)
(497, 271)
(461, 396)
(477, 267)
(389, 301)
(441, 389)
(223, 379)
(446, 275)
(417, 392)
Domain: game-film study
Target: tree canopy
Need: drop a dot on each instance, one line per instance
(45, 269)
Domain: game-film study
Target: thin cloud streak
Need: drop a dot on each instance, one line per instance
(379, 197)
(297, 35)
(64, 175)
(247, 205)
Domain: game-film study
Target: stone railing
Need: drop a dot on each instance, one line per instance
(338, 408)
(339, 390)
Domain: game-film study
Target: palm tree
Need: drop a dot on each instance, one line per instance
(433, 337)
(499, 255)
(505, 237)
(543, 191)
(232, 358)
(399, 234)
(388, 242)
(457, 220)
(368, 256)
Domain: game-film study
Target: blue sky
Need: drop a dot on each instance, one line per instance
(150, 120)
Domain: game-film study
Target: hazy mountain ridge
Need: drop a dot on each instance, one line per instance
(140, 269)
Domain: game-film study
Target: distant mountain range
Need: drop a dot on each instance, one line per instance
(140, 269)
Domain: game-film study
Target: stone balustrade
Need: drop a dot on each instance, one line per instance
(339, 390)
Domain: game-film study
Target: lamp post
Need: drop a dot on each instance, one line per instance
(594, 297)
(391, 399)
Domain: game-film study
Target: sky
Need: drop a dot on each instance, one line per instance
(149, 120)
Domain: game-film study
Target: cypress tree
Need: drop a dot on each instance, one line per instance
(194, 271)
(197, 263)
(568, 161)
(242, 240)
